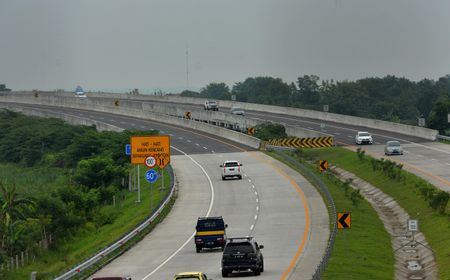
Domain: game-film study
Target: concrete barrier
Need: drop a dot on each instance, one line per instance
(421, 132)
(71, 119)
(134, 109)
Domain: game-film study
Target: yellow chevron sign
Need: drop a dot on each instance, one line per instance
(251, 131)
(294, 142)
(187, 115)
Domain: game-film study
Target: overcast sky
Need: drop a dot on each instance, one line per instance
(109, 44)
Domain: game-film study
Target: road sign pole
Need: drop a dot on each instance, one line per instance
(162, 178)
(139, 183)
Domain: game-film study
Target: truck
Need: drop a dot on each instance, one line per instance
(210, 233)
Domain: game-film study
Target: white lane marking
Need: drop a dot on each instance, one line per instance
(257, 200)
(337, 133)
(143, 127)
(81, 114)
(257, 208)
(433, 159)
(132, 124)
(211, 202)
(249, 180)
(181, 138)
(349, 136)
(205, 148)
(111, 120)
(212, 152)
(256, 217)
(447, 164)
(251, 227)
(189, 141)
(256, 193)
(171, 135)
(253, 186)
(378, 143)
(197, 144)
(91, 116)
(162, 131)
(102, 118)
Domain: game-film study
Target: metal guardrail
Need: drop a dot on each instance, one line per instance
(320, 185)
(442, 137)
(76, 270)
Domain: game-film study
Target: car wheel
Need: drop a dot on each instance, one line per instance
(257, 271)
(223, 177)
(240, 177)
(224, 273)
(262, 267)
(198, 249)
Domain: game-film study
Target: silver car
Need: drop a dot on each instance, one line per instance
(393, 148)
(237, 111)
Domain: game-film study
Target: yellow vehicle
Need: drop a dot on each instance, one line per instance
(191, 275)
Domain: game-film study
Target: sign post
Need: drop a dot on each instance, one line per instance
(151, 151)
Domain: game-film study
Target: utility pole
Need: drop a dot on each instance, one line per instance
(187, 67)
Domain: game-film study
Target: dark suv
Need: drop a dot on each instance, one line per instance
(242, 254)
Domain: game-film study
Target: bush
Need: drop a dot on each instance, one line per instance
(267, 131)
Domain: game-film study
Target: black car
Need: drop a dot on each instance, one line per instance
(242, 254)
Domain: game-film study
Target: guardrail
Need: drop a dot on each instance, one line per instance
(320, 185)
(102, 254)
(442, 137)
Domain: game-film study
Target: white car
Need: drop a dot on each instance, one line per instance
(363, 137)
(231, 168)
(211, 105)
(237, 111)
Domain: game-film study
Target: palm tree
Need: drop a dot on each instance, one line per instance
(11, 207)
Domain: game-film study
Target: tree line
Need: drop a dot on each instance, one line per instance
(85, 169)
(389, 98)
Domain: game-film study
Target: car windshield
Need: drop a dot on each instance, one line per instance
(239, 248)
(393, 144)
(231, 164)
(364, 134)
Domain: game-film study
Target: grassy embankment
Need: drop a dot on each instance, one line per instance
(127, 215)
(435, 226)
(364, 251)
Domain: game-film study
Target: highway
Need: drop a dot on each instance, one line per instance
(427, 159)
(272, 203)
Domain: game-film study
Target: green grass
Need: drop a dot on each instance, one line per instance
(435, 227)
(31, 182)
(79, 247)
(364, 251)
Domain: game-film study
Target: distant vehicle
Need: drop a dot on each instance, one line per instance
(237, 111)
(393, 148)
(112, 278)
(363, 137)
(231, 168)
(79, 92)
(211, 105)
(242, 254)
(191, 275)
(210, 233)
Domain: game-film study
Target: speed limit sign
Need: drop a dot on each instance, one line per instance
(150, 162)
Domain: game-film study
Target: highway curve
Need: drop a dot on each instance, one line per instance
(272, 203)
